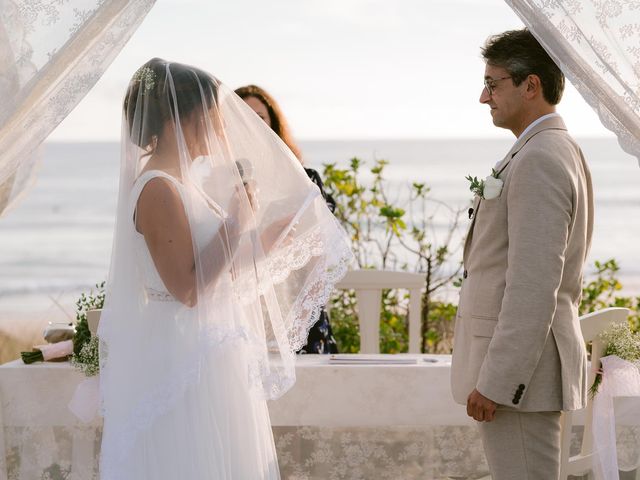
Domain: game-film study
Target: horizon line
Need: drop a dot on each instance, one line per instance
(366, 139)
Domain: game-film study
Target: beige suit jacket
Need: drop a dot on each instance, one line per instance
(517, 334)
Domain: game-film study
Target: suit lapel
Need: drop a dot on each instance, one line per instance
(553, 123)
(467, 240)
(476, 205)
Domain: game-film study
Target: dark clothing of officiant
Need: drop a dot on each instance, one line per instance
(321, 336)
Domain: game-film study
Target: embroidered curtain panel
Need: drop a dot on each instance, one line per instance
(52, 53)
(596, 43)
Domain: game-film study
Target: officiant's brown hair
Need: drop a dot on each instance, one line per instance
(521, 55)
(149, 94)
(278, 123)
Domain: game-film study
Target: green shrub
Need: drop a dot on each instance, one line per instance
(388, 235)
(603, 291)
(400, 235)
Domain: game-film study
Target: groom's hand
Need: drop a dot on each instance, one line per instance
(480, 407)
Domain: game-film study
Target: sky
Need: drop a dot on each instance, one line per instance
(340, 69)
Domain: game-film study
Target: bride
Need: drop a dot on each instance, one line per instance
(223, 254)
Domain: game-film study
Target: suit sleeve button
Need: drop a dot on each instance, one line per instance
(465, 274)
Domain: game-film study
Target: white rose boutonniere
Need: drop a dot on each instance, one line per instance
(487, 189)
(492, 187)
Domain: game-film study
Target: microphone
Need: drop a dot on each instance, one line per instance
(245, 169)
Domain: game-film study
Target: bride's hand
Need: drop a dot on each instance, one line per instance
(251, 189)
(239, 212)
(272, 233)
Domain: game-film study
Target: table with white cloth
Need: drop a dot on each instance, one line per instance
(376, 421)
(338, 421)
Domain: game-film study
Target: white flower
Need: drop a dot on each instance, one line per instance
(146, 77)
(492, 187)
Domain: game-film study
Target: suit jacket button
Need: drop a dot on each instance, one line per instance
(521, 386)
(465, 274)
(516, 401)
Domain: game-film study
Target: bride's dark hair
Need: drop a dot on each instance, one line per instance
(150, 101)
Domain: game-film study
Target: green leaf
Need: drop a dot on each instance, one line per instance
(391, 212)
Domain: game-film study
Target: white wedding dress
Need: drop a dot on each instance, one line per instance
(183, 389)
(211, 427)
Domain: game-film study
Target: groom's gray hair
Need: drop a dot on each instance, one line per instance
(521, 55)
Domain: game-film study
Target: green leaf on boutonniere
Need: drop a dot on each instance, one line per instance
(476, 186)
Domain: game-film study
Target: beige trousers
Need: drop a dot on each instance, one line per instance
(522, 445)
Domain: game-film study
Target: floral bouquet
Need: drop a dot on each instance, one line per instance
(620, 341)
(76, 343)
(85, 345)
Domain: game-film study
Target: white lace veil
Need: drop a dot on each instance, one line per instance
(263, 265)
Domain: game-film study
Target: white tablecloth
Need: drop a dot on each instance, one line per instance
(332, 395)
(375, 422)
(338, 422)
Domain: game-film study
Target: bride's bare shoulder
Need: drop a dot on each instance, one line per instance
(159, 204)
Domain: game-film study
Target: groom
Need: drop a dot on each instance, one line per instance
(518, 357)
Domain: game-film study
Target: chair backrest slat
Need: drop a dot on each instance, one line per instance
(368, 285)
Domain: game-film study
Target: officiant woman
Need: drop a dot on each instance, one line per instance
(321, 338)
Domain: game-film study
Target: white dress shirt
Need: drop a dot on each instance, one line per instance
(536, 122)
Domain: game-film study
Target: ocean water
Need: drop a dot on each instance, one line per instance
(57, 241)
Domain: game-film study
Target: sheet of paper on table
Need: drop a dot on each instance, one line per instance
(371, 359)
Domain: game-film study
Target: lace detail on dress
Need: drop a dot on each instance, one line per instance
(158, 295)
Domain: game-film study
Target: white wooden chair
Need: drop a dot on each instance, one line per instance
(592, 325)
(368, 285)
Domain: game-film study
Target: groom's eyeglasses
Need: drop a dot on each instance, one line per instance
(490, 83)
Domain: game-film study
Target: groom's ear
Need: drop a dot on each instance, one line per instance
(534, 86)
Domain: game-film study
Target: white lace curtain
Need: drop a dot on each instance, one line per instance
(596, 43)
(52, 52)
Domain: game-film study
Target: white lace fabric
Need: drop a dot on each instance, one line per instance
(612, 426)
(596, 43)
(51, 54)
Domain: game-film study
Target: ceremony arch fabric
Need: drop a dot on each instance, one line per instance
(596, 44)
(52, 53)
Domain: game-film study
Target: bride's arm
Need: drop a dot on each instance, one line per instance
(161, 218)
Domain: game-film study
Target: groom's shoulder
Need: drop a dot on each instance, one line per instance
(550, 156)
(551, 147)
